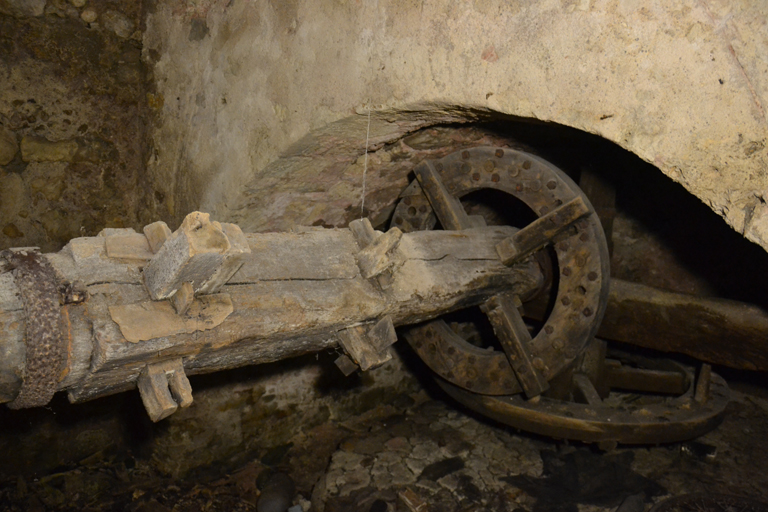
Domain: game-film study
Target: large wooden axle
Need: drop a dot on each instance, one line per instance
(224, 299)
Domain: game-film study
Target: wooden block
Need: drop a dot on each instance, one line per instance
(234, 258)
(128, 247)
(356, 344)
(164, 388)
(382, 335)
(155, 394)
(376, 257)
(363, 232)
(181, 389)
(193, 254)
(183, 298)
(157, 233)
(346, 365)
(149, 320)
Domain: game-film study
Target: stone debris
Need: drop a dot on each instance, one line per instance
(419, 458)
(118, 23)
(22, 8)
(8, 145)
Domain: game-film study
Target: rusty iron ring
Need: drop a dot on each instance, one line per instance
(690, 414)
(46, 354)
(582, 260)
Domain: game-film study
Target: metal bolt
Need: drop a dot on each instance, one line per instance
(407, 201)
(465, 154)
(581, 260)
(558, 344)
(538, 363)
(514, 171)
(469, 384)
(584, 237)
(499, 153)
(423, 208)
(549, 329)
(489, 166)
(465, 168)
(519, 187)
(587, 311)
(581, 290)
(432, 348)
(476, 176)
(592, 276)
(552, 185)
(566, 271)
(527, 164)
(544, 210)
(566, 301)
(495, 178)
(451, 350)
(398, 220)
(412, 211)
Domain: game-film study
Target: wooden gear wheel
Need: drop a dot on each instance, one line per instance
(558, 381)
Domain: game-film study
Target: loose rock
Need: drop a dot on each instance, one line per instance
(118, 23)
(8, 145)
(40, 149)
(88, 15)
(22, 8)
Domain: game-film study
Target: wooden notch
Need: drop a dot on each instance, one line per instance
(541, 231)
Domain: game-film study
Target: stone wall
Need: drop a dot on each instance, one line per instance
(71, 138)
(261, 107)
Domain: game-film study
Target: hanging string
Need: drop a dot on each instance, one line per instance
(365, 164)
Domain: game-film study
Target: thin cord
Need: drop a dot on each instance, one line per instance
(365, 164)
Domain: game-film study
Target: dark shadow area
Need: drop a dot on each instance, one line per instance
(696, 237)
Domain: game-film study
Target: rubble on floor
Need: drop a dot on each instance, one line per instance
(427, 455)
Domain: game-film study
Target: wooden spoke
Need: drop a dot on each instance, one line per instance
(541, 231)
(447, 208)
(514, 338)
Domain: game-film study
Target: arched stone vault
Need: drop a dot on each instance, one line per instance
(261, 107)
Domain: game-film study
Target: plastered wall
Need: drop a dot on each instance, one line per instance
(261, 107)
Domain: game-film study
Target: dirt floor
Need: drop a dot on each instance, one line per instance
(427, 453)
